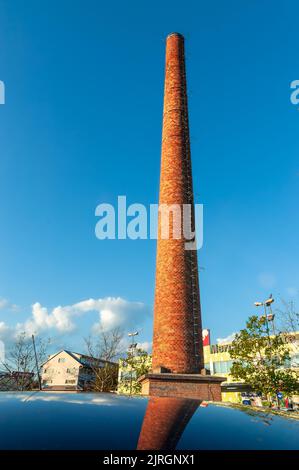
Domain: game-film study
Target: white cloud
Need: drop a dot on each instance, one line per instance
(60, 319)
(226, 340)
(3, 333)
(112, 312)
(6, 335)
(5, 304)
(117, 312)
(146, 346)
(3, 328)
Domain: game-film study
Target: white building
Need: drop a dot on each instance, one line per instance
(68, 370)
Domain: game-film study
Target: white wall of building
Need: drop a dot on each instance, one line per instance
(60, 370)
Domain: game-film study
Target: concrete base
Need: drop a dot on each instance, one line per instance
(197, 386)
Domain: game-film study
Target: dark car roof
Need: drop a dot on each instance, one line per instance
(63, 420)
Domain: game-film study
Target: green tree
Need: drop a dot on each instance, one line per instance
(134, 365)
(260, 360)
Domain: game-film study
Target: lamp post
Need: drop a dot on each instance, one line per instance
(269, 317)
(132, 347)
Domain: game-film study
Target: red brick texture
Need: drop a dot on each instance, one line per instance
(177, 339)
(164, 422)
(192, 386)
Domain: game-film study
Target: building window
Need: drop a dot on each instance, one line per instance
(70, 381)
(208, 367)
(222, 367)
(128, 375)
(61, 359)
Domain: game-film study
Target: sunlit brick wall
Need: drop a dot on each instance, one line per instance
(177, 344)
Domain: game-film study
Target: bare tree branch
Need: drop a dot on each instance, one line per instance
(104, 350)
(20, 363)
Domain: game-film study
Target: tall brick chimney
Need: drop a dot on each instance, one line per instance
(177, 344)
(178, 362)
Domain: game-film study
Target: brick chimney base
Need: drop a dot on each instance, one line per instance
(197, 386)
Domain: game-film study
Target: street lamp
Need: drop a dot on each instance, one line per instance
(269, 317)
(133, 334)
(132, 347)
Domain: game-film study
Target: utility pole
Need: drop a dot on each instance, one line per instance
(36, 363)
(268, 318)
(132, 347)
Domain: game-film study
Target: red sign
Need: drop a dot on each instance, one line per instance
(206, 337)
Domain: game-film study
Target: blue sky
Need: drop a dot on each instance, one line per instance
(82, 125)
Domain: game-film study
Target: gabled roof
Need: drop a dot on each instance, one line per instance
(72, 354)
(62, 350)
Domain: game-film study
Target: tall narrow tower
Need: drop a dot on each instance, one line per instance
(178, 363)
(177, 344)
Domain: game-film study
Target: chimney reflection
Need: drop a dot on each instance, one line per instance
(164, 422)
